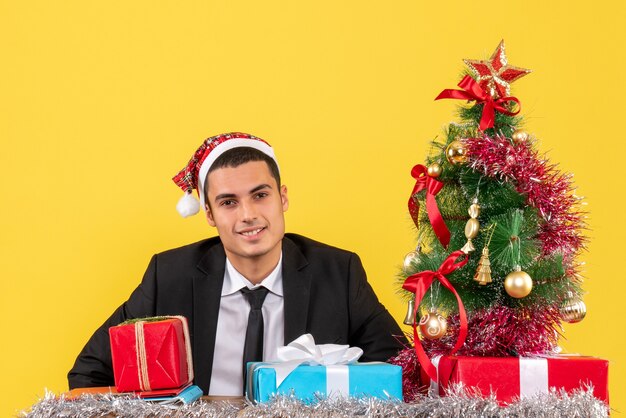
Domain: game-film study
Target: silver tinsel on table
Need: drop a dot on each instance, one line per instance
(460, 402)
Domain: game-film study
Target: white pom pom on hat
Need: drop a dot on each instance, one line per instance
(188, 205)
(193, 175)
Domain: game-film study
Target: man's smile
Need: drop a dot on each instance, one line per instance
(251, 232)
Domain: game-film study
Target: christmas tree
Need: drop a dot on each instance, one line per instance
(499, 229)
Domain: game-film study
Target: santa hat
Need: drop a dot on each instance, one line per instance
(195, 172)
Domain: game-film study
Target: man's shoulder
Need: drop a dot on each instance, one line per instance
(310, 247)
(194, 250)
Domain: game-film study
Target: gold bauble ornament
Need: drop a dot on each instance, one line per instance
(520, 136)
(434, 170)
(573, 310)
(518, 283)
(433, 325)
(456, 152)
(410, 258)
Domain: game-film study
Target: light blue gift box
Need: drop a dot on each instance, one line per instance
(308, 383)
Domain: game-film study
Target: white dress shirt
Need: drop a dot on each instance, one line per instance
(227, 374)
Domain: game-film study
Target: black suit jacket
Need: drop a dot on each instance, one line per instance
(325, 293)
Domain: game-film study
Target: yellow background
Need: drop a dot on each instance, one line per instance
(102, 102)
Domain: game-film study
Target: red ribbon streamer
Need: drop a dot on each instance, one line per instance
(419, 283)
(432, 186)
(473, 91)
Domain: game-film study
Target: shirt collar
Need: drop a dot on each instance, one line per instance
(235, 281)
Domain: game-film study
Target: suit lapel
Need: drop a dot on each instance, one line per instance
(207, 291)
(296, 288)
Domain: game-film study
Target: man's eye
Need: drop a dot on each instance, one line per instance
(227, 202)
(261, 195)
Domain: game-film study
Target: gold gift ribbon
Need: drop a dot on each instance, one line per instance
(142, 363)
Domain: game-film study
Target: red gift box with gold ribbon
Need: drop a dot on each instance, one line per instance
(151, 354)
(511, 378)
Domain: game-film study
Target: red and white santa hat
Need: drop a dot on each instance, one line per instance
(194, 174)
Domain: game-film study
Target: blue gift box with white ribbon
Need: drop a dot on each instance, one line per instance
(310, 382)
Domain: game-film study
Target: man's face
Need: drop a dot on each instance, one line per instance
(247, 208)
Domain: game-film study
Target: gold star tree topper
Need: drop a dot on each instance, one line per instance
(495, 75)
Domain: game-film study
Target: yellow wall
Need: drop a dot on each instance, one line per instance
(102, 102)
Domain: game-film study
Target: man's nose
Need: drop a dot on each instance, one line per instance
(248, 211)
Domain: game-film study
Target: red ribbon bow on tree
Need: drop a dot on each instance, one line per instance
(432, 186)
(419, 283)
(472, 91)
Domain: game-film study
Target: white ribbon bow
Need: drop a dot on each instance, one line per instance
(303, 350)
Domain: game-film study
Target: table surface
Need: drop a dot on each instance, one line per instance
(110, 390)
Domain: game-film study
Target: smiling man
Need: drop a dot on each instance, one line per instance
(253, 288)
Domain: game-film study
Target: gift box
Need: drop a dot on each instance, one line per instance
(151, 354)
(511, 378)
(307, 382)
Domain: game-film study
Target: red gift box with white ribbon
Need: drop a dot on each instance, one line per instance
(511, 378)
(151, 354)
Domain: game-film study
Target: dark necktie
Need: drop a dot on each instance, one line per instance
(253, 347)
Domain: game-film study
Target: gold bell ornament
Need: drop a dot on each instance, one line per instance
(409, 259)
(409, 318)
(456, 152)
(433, 325)
(518, 283)
(472, 226)
(573, 309)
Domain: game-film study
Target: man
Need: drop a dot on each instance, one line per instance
(301, 286)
